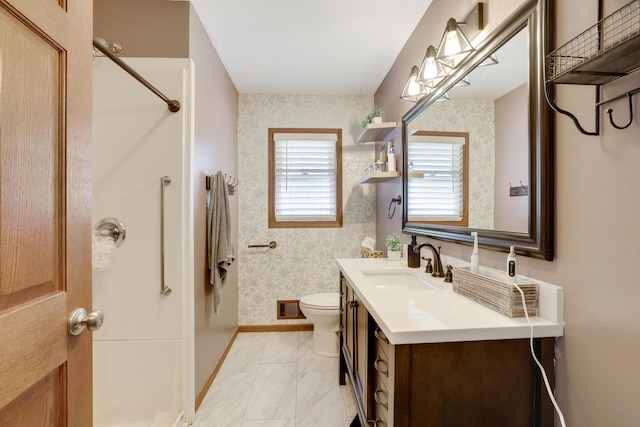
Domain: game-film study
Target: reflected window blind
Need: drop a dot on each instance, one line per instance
(305, 177)
(438, 196)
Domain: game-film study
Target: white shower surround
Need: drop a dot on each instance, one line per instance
(304, 261)
(143, 354)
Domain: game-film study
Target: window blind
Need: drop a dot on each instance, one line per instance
(438, 196)
(305, 177)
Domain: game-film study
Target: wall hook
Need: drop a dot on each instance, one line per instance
(232, 183)
(610, 113)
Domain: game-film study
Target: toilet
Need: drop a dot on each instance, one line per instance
(323, 310)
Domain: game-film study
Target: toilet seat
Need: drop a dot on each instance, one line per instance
(324, 301)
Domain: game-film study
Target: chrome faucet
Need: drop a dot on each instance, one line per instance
(437, 267)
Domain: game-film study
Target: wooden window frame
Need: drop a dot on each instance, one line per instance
(272, 201)
(464, 222)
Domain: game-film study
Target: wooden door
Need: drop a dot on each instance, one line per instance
(45, 216)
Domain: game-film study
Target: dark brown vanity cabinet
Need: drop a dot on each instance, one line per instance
(355, 341)
(475, 383)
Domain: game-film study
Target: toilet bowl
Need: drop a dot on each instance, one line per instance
(323, 310)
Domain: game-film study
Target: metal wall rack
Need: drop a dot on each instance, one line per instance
(604, 52)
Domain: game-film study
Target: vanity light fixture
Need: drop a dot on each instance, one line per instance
(454, 46)
(453, 49)
(431, 70)
(413, 91)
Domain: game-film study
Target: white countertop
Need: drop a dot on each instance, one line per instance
(429, 316)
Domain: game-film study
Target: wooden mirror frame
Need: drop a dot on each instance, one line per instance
(538, 241)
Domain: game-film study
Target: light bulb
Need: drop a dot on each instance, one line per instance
(452, 46)
(414, 87)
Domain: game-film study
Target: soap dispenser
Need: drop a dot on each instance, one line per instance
(413, 258)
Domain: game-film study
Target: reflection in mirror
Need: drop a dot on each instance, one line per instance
(492, 111)
(507, 124)
(438, 178)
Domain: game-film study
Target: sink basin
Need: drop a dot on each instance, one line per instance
(401, 278)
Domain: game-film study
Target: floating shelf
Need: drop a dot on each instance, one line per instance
(376, 132)
(378, 177)
(604, 52)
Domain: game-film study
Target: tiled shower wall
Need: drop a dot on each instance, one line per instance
(304, 261)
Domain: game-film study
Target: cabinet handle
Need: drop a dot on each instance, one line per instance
(377, 368)
(378, 422)
(380, 335)
(353, 304)
(375, 397)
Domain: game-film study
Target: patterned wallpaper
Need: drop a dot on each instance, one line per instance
(477, 118)
(304, 261)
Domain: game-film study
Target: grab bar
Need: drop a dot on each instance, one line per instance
(164, 181)
(270, 245)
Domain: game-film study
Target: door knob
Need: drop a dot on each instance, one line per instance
(79, 319)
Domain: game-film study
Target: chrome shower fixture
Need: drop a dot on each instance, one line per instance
(114, 47)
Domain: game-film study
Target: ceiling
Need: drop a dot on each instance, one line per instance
(309, 47)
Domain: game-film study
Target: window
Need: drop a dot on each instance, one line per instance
(305, 178)
(438, 178)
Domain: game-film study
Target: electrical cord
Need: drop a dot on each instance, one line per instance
(542, 371)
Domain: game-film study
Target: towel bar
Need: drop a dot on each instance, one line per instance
(271, 245)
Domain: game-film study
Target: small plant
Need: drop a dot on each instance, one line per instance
(394, 243)
(375, 112)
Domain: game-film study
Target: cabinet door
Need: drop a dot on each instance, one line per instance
(356, 352)
(344, 356)
(348, 336)
(363, 353)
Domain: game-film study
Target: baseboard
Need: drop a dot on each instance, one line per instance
(207, 385)
(276, 328)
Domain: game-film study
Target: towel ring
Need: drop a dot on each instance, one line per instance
(396, 200)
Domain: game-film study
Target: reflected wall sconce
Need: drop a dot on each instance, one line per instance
(413, 90)
(491, 60)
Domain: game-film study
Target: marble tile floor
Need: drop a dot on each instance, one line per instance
(273, 379)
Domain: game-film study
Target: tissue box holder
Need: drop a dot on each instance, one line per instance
(368, 253)
(495, 294)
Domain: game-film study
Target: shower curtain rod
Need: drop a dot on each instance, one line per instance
(172, 104)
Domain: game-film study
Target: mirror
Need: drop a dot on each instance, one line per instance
(483, 135)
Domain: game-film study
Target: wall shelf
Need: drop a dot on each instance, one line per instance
(373, 177)
(604, 52)
(375, 132)
(607, 50)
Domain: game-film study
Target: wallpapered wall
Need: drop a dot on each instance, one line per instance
(475, 116)
(304, 261)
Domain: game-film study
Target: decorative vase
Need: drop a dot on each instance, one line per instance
(394, 255)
